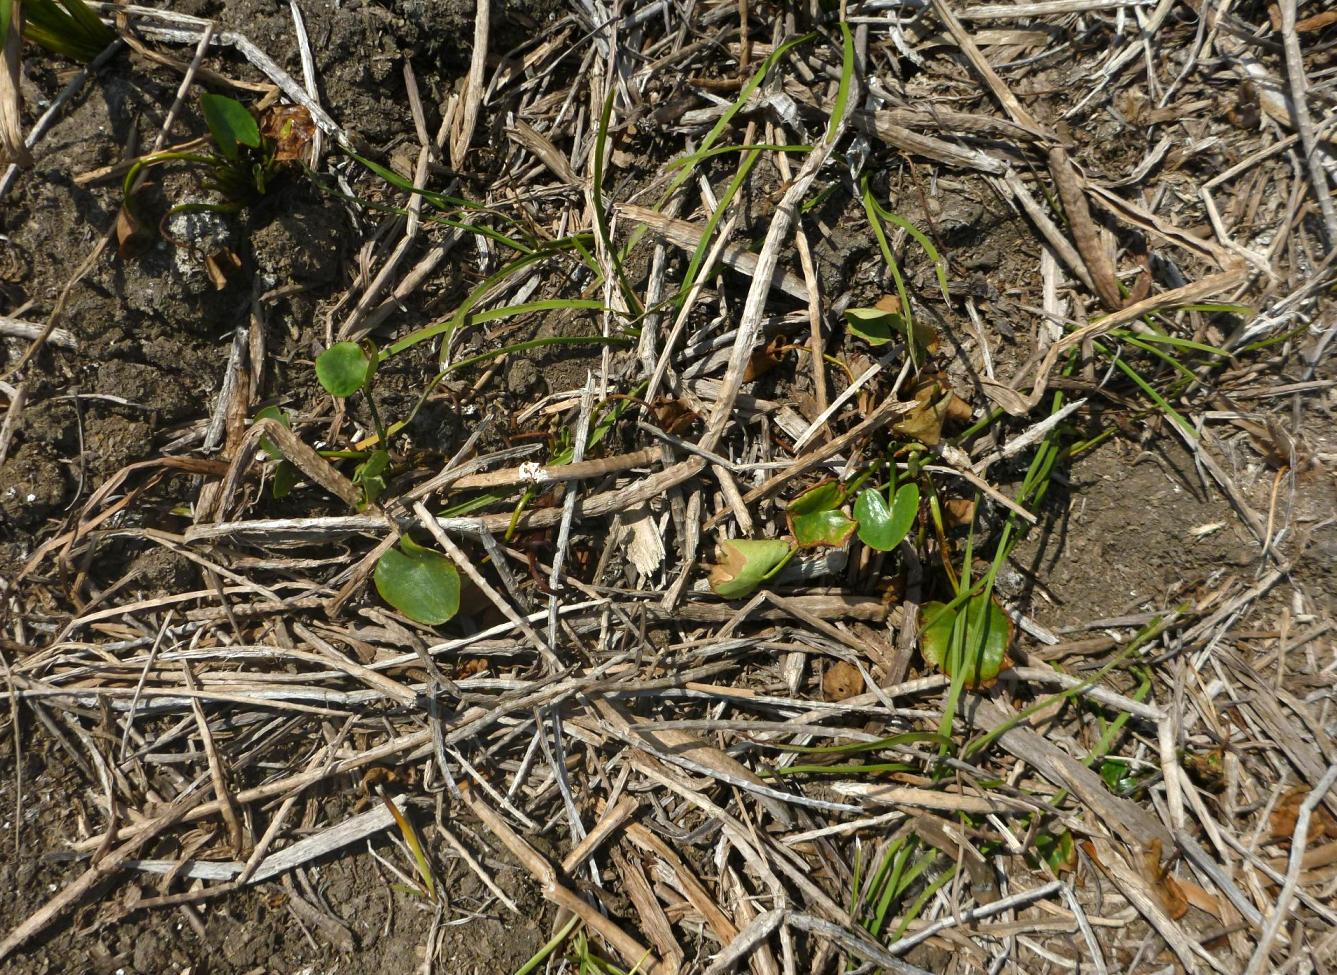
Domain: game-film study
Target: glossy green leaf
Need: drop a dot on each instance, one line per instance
(882, 527)
(987, 633)
(231, 124)
(419, 582)
(746, 564)
(344, 368)
(824, 497)
(832, 528)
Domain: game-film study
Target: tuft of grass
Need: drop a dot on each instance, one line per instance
(240, 167)
(65, 27)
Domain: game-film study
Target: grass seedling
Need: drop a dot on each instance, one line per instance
(65, 27)
(544, 953)
(240, 168)
(426, 877)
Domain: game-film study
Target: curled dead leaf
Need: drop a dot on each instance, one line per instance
(290, 128)
(1166, 887)
(842, 680)
(958, 410)
(924, 424)
(1285, 814)
(957, 512)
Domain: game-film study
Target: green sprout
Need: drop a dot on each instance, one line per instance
(240, 168)
(65, 27)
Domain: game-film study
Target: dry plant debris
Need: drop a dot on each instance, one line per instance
(707, 375)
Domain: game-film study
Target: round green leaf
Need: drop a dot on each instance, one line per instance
(231, 124)
(344, 368)
(422, 584)
(747, 563)
(987, 632)
(882, 527)
(831, 528)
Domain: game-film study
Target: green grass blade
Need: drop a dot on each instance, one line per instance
(846, 81)
(553, 944)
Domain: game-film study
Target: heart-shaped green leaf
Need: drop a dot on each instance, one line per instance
(882, 527)
(832, 528)
(231, 124)
(824, 497)
(746, 563)
(344, 368)
(422, 584)
(986, 635)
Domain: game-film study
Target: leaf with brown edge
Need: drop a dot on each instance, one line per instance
(745, 563)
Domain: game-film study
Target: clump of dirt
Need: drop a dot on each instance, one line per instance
(32, 485)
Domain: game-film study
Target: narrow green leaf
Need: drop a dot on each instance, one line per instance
(231, 124)
(344, 368)
(747, 563)
(422, 584)
(846, 80)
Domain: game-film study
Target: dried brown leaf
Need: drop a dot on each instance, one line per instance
(842, 680)
(12, 149)
(1166, 887)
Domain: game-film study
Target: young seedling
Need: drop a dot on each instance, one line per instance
(240, 168)
(346, 368)
(421, 583)
(65, 27)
